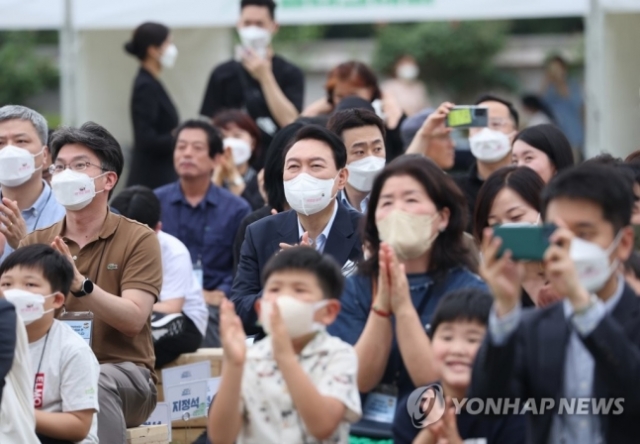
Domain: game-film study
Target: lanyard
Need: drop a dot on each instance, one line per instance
(44, 347)
(35, 225)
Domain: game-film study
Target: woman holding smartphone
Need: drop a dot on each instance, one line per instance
(511, 196)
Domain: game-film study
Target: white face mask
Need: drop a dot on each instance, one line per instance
(169, 56)
(255, 38)
(410, 235)
(592, 262)
(297, 315)
(74, 190)
(29, 306)
(307, 194)
(407, 72)
(240, 148)
(363, 172)
(490, 146)
(17, 165)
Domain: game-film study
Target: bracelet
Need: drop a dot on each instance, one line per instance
(382, 313)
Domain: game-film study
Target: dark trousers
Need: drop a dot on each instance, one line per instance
(169, 348)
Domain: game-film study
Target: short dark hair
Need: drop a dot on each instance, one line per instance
(274, 166)
(354, 118)
(513, 112)
(224, 119)
(469, 304)
(56, 268)
(356, 73)
(269, 4)
(94, 137)
(632, 265)
(522, 180)
(449, 249)
(146, 35)
(550, 140)
(316, 132)
(138, 203)
(325, 268)
(600, 184)
(605, 159)
(213, 136)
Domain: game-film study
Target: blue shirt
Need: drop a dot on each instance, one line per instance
(356, 303)
(44, 212)
(321, 240)
(579, 365)
(568, 111)
(363, 205)
(207, 230)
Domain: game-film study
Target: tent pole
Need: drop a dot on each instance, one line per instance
(68, 66)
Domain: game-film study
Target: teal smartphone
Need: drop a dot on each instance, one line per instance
(525, 242)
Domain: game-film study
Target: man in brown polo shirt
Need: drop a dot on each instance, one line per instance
(118, 273)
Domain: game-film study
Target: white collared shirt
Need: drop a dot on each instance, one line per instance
(320, 242)
(268, 412)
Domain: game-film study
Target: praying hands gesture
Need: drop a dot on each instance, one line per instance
(232, 335)
(13, 225)
(304, 242)
(444, 431)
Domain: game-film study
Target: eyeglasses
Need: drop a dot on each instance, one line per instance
(498, 123)
(78, 166)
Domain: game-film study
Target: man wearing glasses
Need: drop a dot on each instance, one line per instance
(27, 202)
(117, 273)
(490, 146)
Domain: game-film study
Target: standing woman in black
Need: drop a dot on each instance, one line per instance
(152, 112)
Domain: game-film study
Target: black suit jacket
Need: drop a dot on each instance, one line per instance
(531, 365)
(262, 240)
(154, 117)
(8, 341)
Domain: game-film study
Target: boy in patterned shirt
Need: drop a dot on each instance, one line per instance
(299, 383)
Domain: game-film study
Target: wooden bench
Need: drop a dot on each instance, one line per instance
(155, 434)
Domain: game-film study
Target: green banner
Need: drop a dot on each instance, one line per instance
(348, 3)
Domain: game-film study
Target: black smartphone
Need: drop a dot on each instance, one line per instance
(525, 242)
(468, 116)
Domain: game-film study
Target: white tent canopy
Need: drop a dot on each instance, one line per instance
(97, 75)
(126, 14)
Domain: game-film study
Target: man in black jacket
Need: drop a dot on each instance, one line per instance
(266, 86)
(586, 347)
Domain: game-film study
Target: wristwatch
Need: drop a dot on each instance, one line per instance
(85, 289)
(238, 181)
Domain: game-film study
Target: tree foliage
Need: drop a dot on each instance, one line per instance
(454, 57)
(23, 72)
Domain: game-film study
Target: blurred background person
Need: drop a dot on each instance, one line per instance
(153, 114)
(536, 112)
(544, 149)
(565, 100)
(270, 88)
(406, 86)
(433, 139)
(241, 141)
(511, 195)
(358, 79)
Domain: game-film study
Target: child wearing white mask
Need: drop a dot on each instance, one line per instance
(65, 371)
(299, 383)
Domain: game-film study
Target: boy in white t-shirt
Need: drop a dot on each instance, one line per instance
(65, 371)
(299, 383)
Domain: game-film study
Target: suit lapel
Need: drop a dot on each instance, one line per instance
(554, 338)
(287, 232)
(342, 236)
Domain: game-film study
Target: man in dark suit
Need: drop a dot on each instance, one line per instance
(584, 347)
(314, 174)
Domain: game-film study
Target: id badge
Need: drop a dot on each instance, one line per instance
(81, 322)
(197, 273)
(380, 405)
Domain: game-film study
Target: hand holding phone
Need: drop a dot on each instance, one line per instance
(468, 116)
(528, 243)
